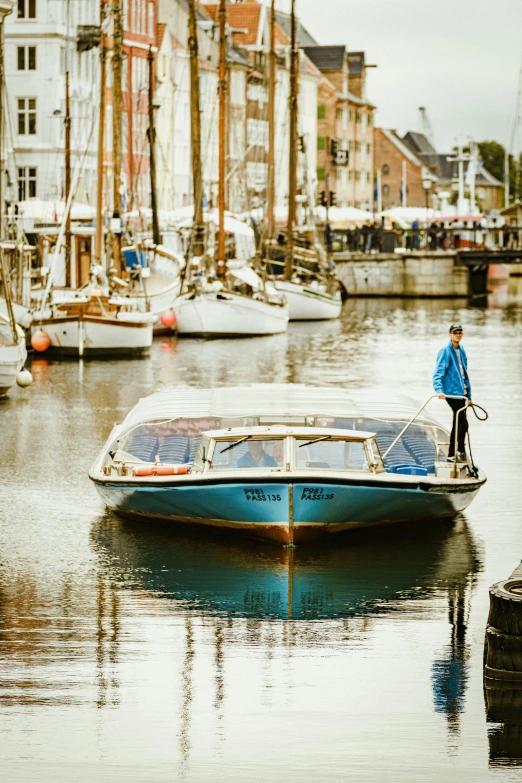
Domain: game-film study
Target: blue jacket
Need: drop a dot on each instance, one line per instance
(447, 377)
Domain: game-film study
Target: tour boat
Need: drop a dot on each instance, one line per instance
(283, 463)
(13, 354)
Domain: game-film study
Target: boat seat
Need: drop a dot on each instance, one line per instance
(174, 448)
(143, 446)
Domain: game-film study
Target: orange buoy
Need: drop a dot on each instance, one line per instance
(168, 318)
(40, 341)
(160, 470)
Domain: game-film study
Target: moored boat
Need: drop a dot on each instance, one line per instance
(283, 463)
(13, 354)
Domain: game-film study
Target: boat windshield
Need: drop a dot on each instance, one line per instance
(332, 454)
(248, 453)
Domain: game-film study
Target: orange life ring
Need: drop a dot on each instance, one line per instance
(161, 470)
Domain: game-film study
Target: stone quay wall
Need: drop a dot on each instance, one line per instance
(423, 274)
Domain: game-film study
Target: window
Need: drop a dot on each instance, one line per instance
(350, 115)
(26, 58)
(321, 143)
(333, 454)
(357, 176)
(357, 146)
(350, 174)
(369, 118)
(368, 148)
(339, 114)
(350, 145)
(151, 20)
(321, 111)
(368, 176)
(358, 117)
(385, 190)
(385, 169)
(26, 183)
(26, 9)
(27, 116)
(232, 454)
(320, 173)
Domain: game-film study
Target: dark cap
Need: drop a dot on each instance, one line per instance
(455, 328)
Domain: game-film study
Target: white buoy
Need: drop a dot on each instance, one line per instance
(24, 378)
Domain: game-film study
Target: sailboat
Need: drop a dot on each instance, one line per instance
(87, 322)
(13, 352)
(220, 299)
(299, 266)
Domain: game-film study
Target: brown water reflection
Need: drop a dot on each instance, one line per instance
(130, 652)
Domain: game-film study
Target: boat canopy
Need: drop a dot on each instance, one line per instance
(273, 403)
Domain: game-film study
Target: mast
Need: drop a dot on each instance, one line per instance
(222, 119)
(152, 146)
(195, 127)
(67, 123)
(116, 126)
(292, 163)
(101, 142)
(271, 123)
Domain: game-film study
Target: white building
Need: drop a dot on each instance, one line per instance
(40, 43)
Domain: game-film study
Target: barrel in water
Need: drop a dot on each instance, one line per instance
(503, 671)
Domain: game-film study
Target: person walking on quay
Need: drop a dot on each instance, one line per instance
(451, 380)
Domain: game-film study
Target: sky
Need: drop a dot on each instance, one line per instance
(459, 58)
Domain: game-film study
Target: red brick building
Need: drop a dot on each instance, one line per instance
(393, 157)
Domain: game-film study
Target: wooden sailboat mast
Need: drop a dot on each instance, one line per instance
(67, 123)
(271, 123)
(117, 60)
(195, 127)
(101, 142)
(220, 266)
(292, 162)
(152, 148)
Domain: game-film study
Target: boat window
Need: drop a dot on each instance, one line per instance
(251, 453)
(333, 454)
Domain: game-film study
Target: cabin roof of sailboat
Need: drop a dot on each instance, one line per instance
(274, 401)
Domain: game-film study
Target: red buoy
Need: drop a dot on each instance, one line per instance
(40, 341)
(168, 318)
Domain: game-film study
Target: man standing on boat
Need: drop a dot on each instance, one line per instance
(450, 381)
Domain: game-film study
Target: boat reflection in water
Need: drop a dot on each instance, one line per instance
(366, 575)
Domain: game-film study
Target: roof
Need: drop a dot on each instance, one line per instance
(241, 16)
(272, 400)
(421, 146)
(303, 36)
(402, 147)
(326, 58)
(160, 32)
(448, 170)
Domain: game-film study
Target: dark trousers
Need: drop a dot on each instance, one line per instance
(457, 405)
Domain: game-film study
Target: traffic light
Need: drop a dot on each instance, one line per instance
(334, 144)
(323, 198)
(302, 147)
(332, 198)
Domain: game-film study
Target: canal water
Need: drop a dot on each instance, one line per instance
(135, 652)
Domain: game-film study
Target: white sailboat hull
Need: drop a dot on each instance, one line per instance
(94, 335)
(306, 303)
(12, 359)
(229, 315)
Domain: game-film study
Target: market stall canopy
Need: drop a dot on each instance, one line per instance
(53, 211)
(343, 217)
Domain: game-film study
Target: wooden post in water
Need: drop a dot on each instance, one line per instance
(101, 143)
(221, 265)
(152, 148)
(117, 58)
(272, 62)
(195, 127)
(292, 162)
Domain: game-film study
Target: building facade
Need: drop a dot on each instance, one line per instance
(40, 45)
(398, 165)
(345, 135)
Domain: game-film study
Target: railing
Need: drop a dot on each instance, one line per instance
(375, 239)
(458, 413)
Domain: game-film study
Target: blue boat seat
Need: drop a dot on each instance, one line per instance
(174, 448)
(142, 446)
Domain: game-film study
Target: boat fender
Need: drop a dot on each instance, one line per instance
(161, 470)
